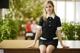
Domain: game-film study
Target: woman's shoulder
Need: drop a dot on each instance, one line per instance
(41, 17)
(57, 17)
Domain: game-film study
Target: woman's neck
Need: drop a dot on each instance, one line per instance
(50, 15)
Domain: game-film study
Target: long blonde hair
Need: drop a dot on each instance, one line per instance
(44, 11)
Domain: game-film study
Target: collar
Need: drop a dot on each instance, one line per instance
(52, 15)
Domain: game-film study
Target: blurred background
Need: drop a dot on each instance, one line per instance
(15, 14)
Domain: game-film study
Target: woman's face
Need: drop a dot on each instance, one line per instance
(49, 8)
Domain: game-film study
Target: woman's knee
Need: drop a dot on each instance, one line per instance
(50, 49)
(42, 48)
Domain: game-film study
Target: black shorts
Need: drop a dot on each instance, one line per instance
(49, 42)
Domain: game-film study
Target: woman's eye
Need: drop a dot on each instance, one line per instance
(46, 7)
(49, 6)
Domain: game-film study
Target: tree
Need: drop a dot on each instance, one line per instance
(26, 8)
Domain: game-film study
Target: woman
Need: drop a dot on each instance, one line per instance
(50, 30)
(33, 28)
(28, 30)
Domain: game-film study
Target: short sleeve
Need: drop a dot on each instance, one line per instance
(41, 21)
(58, 22)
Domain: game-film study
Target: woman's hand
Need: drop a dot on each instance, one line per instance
(65, 46)
(32, 45)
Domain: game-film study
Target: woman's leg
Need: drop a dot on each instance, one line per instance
(50, 49)
(42, 48)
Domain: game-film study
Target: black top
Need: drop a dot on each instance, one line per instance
(49, 26)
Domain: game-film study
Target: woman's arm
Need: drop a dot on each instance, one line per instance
(59, 35)
(38, 34)
(58, 32)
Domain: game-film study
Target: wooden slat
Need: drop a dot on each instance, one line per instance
(36, 50)
(17, 44)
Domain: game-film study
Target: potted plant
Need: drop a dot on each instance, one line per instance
(78, 31)
(69, 31)
(8, 29)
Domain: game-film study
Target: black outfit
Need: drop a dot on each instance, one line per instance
(49, 27)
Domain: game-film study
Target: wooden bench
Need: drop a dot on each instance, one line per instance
(36, 50)
(20, 46)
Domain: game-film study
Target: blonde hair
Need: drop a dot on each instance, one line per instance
(44, 11)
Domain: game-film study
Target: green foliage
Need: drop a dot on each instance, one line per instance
(78, 31)
(8, 29)
(28, 8)
(18, 10)
(71, 31)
